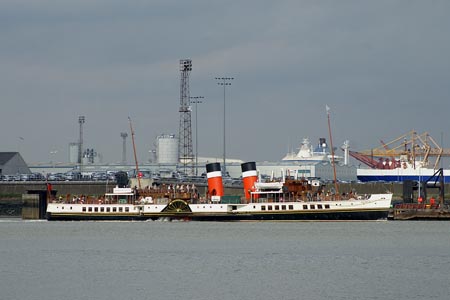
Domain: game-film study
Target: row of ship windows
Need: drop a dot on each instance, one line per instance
(263, 207)
(291, 207)
(107, 209)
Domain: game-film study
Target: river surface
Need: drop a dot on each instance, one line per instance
(245, 260)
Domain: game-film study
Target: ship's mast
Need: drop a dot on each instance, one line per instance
(332, 154)
(135, 156)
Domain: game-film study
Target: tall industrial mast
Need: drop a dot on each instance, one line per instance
(124, 147)
(81, 120)
(185, 148)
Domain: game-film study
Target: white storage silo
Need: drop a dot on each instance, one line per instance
(73, 152)
(167, 149)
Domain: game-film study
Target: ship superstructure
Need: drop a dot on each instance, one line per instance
(308, 154)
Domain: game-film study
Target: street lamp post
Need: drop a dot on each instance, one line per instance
(224, 81)
(196, 101)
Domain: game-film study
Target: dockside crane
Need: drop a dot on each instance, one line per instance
(415, 149)
(394, 162)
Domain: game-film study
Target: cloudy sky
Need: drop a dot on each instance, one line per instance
(383, 67)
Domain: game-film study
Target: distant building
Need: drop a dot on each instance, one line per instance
(12, 163)
(73, 152)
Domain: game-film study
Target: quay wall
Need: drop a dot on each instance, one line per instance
(63, 187)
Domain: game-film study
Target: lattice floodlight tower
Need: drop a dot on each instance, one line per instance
(185, 148)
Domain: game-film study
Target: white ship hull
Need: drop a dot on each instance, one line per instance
(399, 174)
(374, 208)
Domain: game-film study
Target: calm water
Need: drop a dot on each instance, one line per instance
(194, 260)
